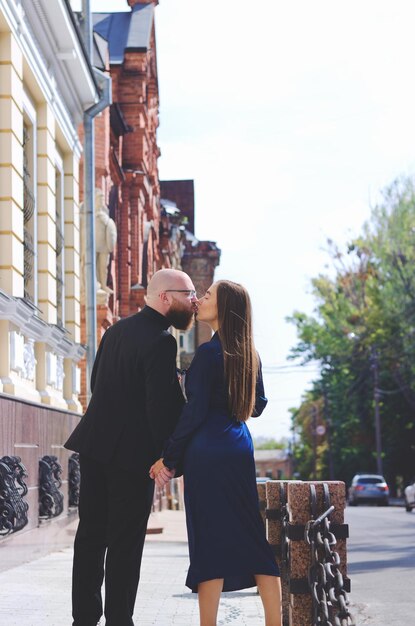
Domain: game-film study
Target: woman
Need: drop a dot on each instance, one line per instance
(212, 444)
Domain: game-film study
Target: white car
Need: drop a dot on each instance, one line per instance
(410, 497)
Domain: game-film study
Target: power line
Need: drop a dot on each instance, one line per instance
(272, 370)
(272, 400)
(287, 366)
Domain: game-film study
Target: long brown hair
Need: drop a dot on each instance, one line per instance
(240, 357)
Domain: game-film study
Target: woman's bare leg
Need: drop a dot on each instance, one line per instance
(269, 588)
(209, 596)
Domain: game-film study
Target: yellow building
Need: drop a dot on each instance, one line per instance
(46, 83)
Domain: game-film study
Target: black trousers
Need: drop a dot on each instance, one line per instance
(114, 506)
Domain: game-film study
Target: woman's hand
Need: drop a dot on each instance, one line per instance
(160, 473)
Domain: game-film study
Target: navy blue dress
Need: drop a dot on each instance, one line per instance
(215, 452)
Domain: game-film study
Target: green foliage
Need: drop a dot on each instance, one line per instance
(264, 443)
(365, 310)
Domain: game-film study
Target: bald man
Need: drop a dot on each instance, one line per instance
(135, 405)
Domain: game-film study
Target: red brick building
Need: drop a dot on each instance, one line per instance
(149, 236)
(199, 258)
(275, 464)
(155, 221)
(127, 150)
(39, 375)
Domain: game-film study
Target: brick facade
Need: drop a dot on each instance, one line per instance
(275, 464)
(126, 170)
(200, 258)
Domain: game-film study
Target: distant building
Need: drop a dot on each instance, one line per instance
(149, 233)
(154, 220)
(199, 258)
(275, 463)
(127, 151)
(182, 192)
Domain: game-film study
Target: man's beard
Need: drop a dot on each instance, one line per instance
(180, 316)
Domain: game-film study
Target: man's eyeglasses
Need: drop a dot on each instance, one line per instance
(192, 293)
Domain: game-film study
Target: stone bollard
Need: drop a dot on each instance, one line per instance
(262, 497)
(300, 512)
(276, 516)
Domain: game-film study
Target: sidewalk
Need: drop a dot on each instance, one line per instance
(38, 593)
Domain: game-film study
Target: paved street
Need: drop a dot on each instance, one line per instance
(381, 566)
(38, 593)
(381, 553)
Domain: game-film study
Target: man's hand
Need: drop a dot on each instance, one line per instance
(160, 473)
(156, 468)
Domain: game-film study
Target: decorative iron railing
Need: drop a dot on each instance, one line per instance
(74, 479)
(50, 498)
(13, 509)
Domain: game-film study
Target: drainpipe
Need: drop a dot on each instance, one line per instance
(105, 100)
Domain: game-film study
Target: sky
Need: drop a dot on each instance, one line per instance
(291, 117)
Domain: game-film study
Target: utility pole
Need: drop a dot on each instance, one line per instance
(314, 432)
(376, 396)
(291, 447)
(328, 431)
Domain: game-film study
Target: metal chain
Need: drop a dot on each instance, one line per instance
(330, 600)
(285, 517)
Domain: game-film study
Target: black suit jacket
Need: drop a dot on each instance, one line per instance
(136, 396)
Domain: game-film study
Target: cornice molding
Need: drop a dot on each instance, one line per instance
(55, 58)
(24, 315)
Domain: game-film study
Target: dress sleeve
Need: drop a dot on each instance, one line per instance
(198, 391)
(260, 400)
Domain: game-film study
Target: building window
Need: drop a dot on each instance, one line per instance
(17, 351)
(60, 247)
(51, 369)
(29, 199)
(76, 379)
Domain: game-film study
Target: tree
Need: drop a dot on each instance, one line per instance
(269, 443)
(364, 318)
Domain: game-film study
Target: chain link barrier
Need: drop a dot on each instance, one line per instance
(285, 518)
(330, 599)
